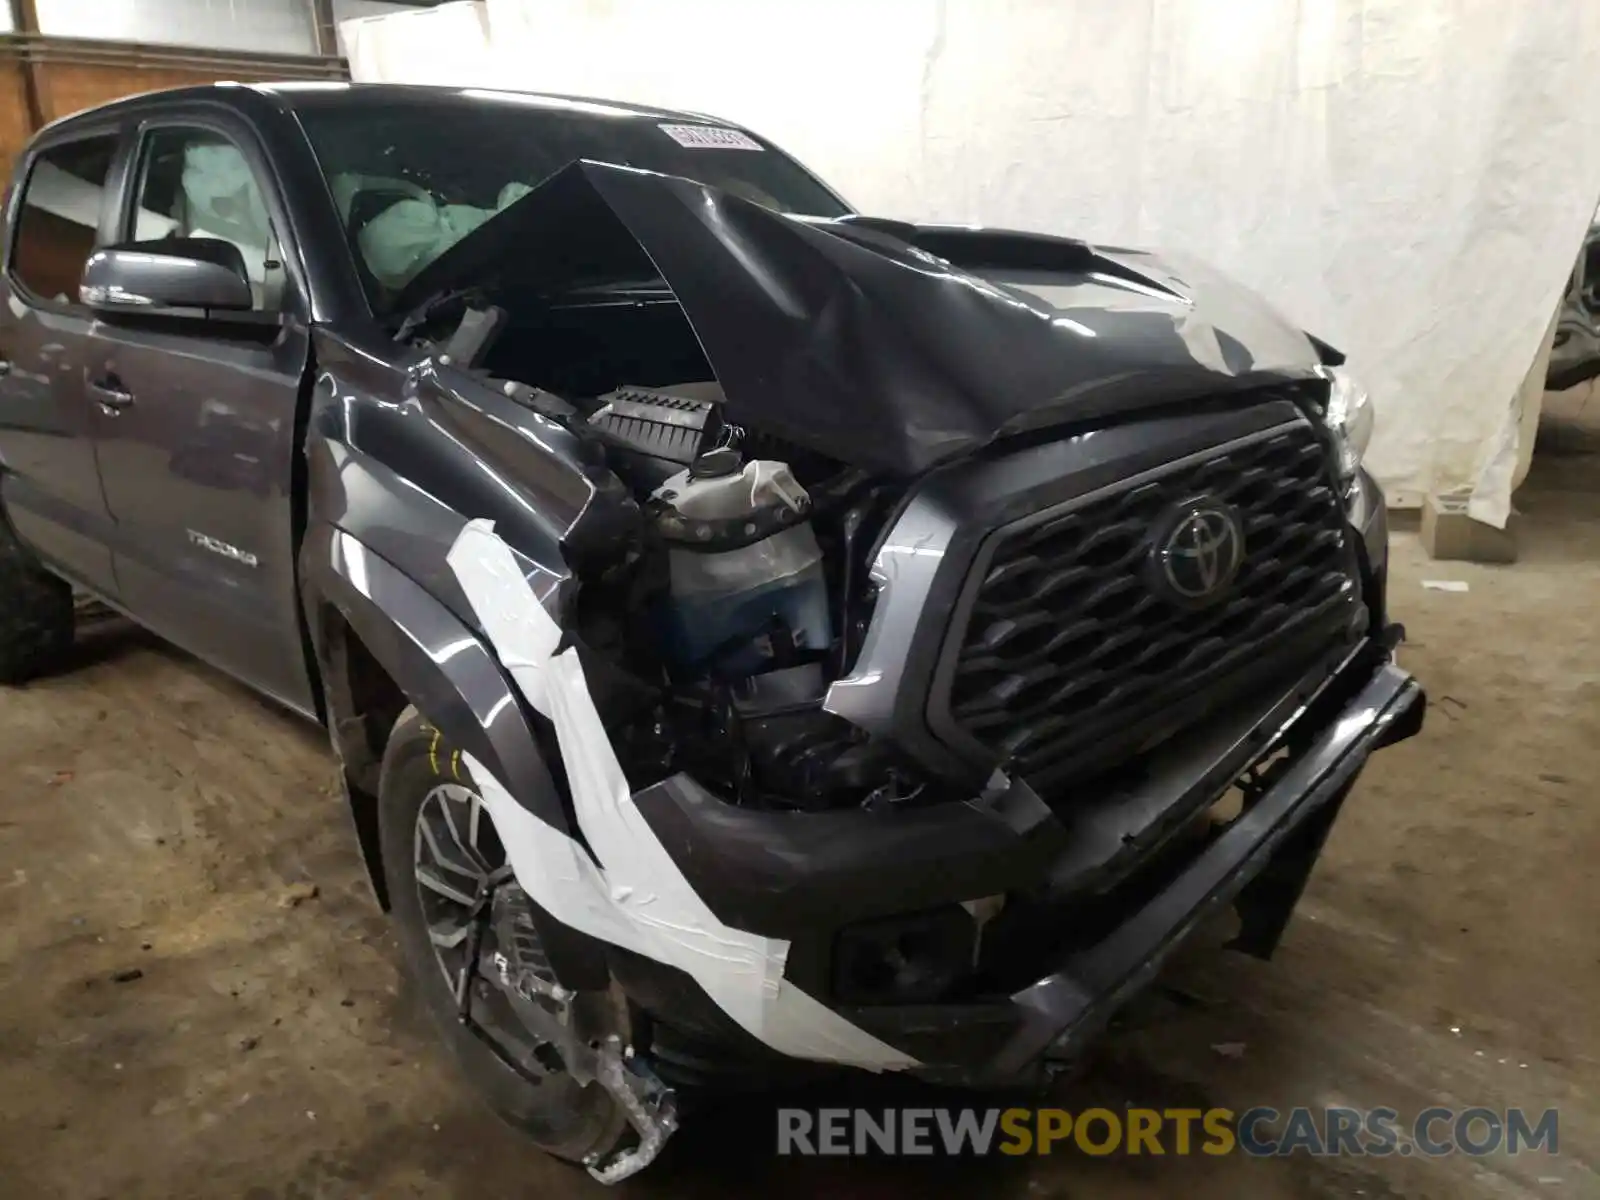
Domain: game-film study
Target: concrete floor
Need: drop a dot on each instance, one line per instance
(157, 818)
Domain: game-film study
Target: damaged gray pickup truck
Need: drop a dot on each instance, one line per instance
(755, 636)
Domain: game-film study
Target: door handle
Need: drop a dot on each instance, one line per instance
(111, 398)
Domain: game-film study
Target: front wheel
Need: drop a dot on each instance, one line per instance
(443, 861)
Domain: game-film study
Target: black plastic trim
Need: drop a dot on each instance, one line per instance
(894, 693)
(940, 719)
(800, 875)
(789, 874)
(1056, 1016)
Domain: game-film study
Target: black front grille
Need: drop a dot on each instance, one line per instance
(1068, 644)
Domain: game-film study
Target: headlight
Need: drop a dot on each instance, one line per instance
(1350, 416)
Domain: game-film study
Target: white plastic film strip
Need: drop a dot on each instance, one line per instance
(630, 893)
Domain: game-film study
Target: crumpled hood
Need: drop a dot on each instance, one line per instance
(886, 345)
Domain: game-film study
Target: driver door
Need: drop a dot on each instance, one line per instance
(197, 418)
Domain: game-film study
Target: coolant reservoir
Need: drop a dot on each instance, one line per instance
(746, 572)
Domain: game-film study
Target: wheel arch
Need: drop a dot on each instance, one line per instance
(383, 642)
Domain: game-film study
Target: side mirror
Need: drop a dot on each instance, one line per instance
(147, 277)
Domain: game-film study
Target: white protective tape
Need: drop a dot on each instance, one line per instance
(630, 893)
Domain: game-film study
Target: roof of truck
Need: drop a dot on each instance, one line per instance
(301, 95)
(309, 94)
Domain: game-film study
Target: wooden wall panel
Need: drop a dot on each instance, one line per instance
(15, 128)
(50, 253)
(66, 88)
(72, 74)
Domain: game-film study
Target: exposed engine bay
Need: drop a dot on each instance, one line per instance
(711, 642)
(750, 595)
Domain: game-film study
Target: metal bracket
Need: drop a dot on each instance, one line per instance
(546, 1009)
(650, 1105)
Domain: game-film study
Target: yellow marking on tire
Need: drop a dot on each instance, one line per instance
(455, 765)
(433, 752)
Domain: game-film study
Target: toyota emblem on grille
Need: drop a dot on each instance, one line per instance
(1198, 549)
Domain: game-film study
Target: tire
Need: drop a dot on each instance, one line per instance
(559, 1116)
(35, 613)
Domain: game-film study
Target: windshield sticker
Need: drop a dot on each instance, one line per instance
(710, 137)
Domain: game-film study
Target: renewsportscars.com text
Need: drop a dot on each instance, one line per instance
(1258, 1132)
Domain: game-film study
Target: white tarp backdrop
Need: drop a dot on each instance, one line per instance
(1409, 179)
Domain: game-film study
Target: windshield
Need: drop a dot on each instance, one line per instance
(411, 179)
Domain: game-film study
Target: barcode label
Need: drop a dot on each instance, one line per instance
(710, 137)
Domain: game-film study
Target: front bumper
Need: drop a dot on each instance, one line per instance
(1263, 857)
(806, 877)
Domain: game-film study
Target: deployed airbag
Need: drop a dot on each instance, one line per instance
(410, 233)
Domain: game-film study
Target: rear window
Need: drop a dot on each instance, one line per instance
(59, 217)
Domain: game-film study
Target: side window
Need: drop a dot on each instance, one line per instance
(194, 183)
(59, 217)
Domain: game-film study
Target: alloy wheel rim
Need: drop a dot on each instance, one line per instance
(458, 860)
